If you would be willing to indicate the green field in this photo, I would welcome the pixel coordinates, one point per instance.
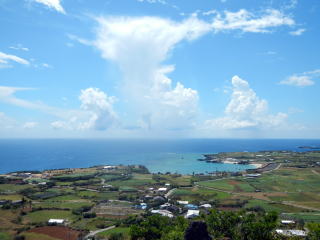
(5, 236)
(62, 205)
(43, 216)
(13, 188)
(124, 231)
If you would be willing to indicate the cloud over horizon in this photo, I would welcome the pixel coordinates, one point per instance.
(246, 110)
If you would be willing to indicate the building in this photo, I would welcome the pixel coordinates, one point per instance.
(192, 213)
(163, 189)
(164, 206)
(4, 202)
(207, 205)
(109, 167)
(164, 213)
(183, 202)
(191, 207)
(56, 221)
(291, 233)
(287, 222)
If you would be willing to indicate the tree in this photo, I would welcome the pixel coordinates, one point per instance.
(197, 231)
(314, 231)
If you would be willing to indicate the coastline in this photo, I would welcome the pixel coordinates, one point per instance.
(256, 165)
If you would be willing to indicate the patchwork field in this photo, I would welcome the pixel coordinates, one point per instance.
(283, 190)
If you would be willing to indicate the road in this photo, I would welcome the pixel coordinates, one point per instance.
(169, 193)
(93, 233)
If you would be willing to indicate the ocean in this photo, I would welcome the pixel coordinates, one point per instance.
(158, 155)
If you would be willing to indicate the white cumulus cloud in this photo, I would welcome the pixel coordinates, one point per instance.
(246, 110)
(139, 46)
(302, 80)
(54, 4)
(100, 106)
(97, 112)
(5, 60)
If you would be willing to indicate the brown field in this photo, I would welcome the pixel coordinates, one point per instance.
(62, 233)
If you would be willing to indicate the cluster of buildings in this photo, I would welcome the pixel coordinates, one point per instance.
(158, 202)
(287, 230)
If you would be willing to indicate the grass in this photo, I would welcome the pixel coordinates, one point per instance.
(280, 208)
(219, 184)
(11, 197)
(5, 236)
(288, 180)
(68, 197)
(92, 224)
(199, 194)
(43, 216)
(63, 205)
(124, 231)
(13, 188)
(307, 217)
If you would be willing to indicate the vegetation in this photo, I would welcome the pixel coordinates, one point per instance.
(95, 198)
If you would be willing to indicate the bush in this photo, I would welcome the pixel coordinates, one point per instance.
(116, 236)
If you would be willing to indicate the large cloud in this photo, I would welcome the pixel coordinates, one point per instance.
(139, 46)
(246, 110)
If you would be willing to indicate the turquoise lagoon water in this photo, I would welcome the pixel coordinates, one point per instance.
(158, 155)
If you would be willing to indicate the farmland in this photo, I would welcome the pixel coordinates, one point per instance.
(95, 198)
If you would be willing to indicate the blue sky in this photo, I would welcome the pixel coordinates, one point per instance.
(159, 68)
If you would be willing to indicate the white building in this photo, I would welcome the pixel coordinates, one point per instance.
(192, 213)
(109, 167)
(165, 205)
(163, 189)
(56, 221)
(207, 205)
(164, 213)
(183, 202)
(287, 222)
(291, 233)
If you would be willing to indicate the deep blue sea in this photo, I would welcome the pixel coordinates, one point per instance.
(158, 155)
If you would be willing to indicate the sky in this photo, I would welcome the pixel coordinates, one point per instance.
(159, 69)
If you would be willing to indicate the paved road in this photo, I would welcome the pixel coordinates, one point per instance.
(93, 233)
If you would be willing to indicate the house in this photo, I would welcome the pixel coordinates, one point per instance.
(159, 199)
(56, 221)
(164, 206)
(17, 202)
(109, 167)
(4, 202)
(167, 184)
(286, 222)
(191, 207)
(183, 202)
(291, 233)
(142, 206)
(252, 175)
(164, 213)
(207, 205)
(192, 213)
(163, 189)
